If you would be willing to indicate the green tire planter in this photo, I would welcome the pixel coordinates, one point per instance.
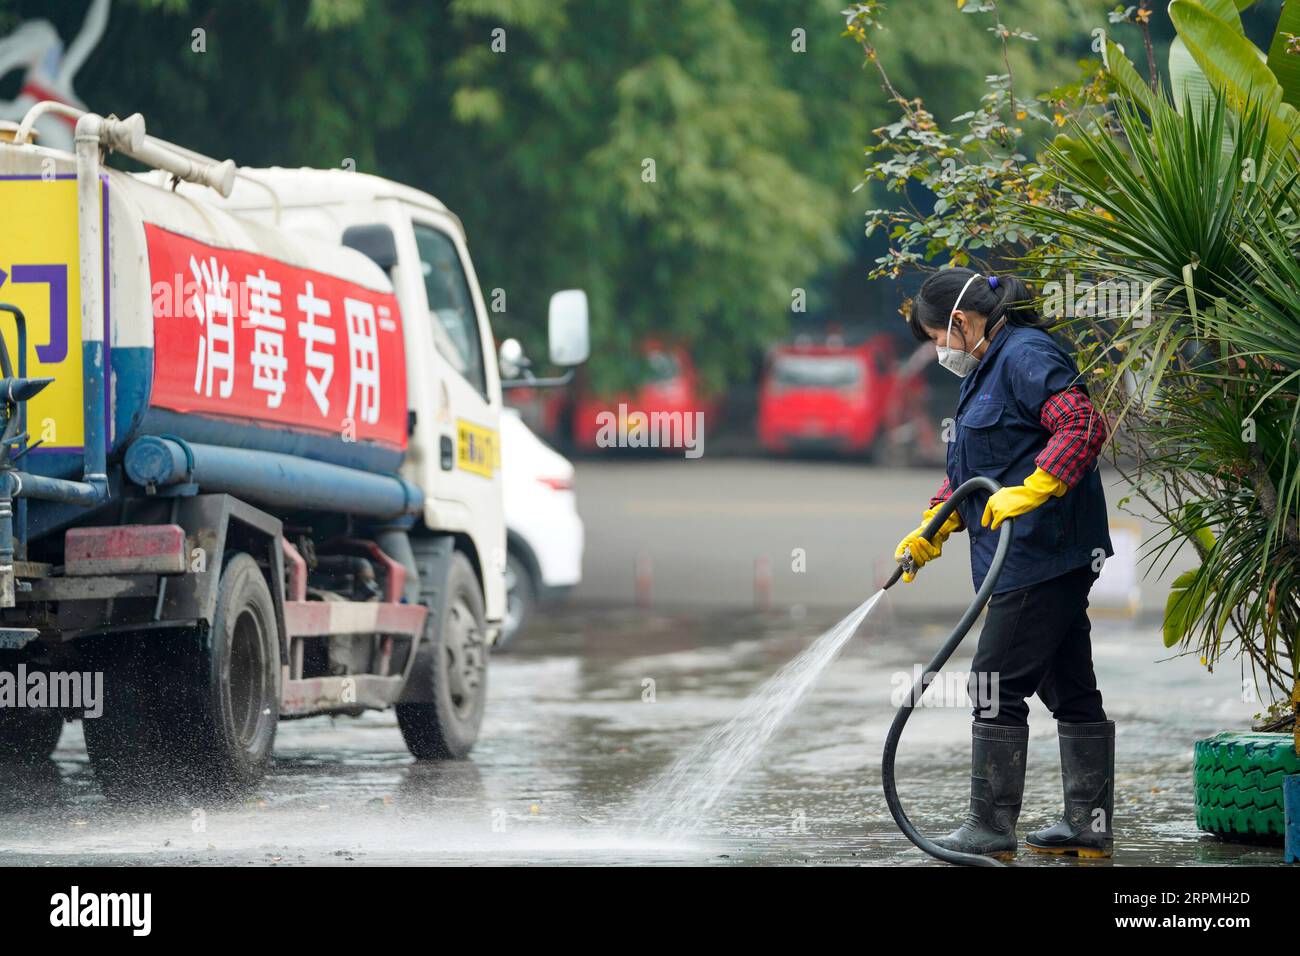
(1238, 779)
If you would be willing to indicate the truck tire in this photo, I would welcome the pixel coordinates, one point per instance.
(447, 727)
(1238, 778)
(239, 716)
(205, 716)
(28, 736)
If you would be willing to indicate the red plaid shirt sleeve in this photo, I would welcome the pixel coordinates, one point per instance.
(945, 492)
(1078, 432)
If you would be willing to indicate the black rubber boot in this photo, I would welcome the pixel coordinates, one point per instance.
(1088, 775)
(997, 782)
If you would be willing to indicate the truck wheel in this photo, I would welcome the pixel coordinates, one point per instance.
(1238, 780)
(28, 736)
(240, 709)
(447, 728)
(521, 597)
(205, 715)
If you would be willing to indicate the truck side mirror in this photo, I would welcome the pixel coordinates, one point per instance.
(375, 240)
(567, 328)
(510, 358)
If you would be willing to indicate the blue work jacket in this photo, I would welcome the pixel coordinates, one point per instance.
(998, 435)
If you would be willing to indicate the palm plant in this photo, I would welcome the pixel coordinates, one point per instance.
(1202, 376)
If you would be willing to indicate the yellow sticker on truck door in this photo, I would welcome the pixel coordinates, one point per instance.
(478, 449)
(38, 274)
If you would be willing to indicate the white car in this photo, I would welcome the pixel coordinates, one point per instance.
(544, 534)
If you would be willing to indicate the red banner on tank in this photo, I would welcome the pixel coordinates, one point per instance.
(243, 336)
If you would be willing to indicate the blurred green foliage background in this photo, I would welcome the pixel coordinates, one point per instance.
(540, 149)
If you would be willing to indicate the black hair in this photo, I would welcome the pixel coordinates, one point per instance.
(990, 296)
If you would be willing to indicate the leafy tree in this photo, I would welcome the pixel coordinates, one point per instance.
(540, 148)
(646, 153)
(654, 147)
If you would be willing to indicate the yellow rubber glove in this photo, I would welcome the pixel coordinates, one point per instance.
(924, 551)
(1015, 500)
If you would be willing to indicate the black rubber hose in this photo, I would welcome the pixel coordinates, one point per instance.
(932, 670)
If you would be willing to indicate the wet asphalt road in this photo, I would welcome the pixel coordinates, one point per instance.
(569, 744)
(572, 737)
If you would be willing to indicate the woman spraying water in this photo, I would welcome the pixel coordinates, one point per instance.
(1023, 419)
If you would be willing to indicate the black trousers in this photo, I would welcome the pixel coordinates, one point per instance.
(1037, 640)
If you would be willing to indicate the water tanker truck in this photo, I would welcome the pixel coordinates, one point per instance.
(248, 456)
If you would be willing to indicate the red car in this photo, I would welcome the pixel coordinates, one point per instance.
(827, 396)
(673, 389)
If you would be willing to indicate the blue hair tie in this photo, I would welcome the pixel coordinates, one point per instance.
(993, 282)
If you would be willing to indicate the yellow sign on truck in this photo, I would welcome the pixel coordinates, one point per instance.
(38, 270)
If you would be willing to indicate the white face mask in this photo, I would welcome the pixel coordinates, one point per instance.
(954, 360)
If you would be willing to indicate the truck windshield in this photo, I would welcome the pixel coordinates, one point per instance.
(455, 327)
(816, 371)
